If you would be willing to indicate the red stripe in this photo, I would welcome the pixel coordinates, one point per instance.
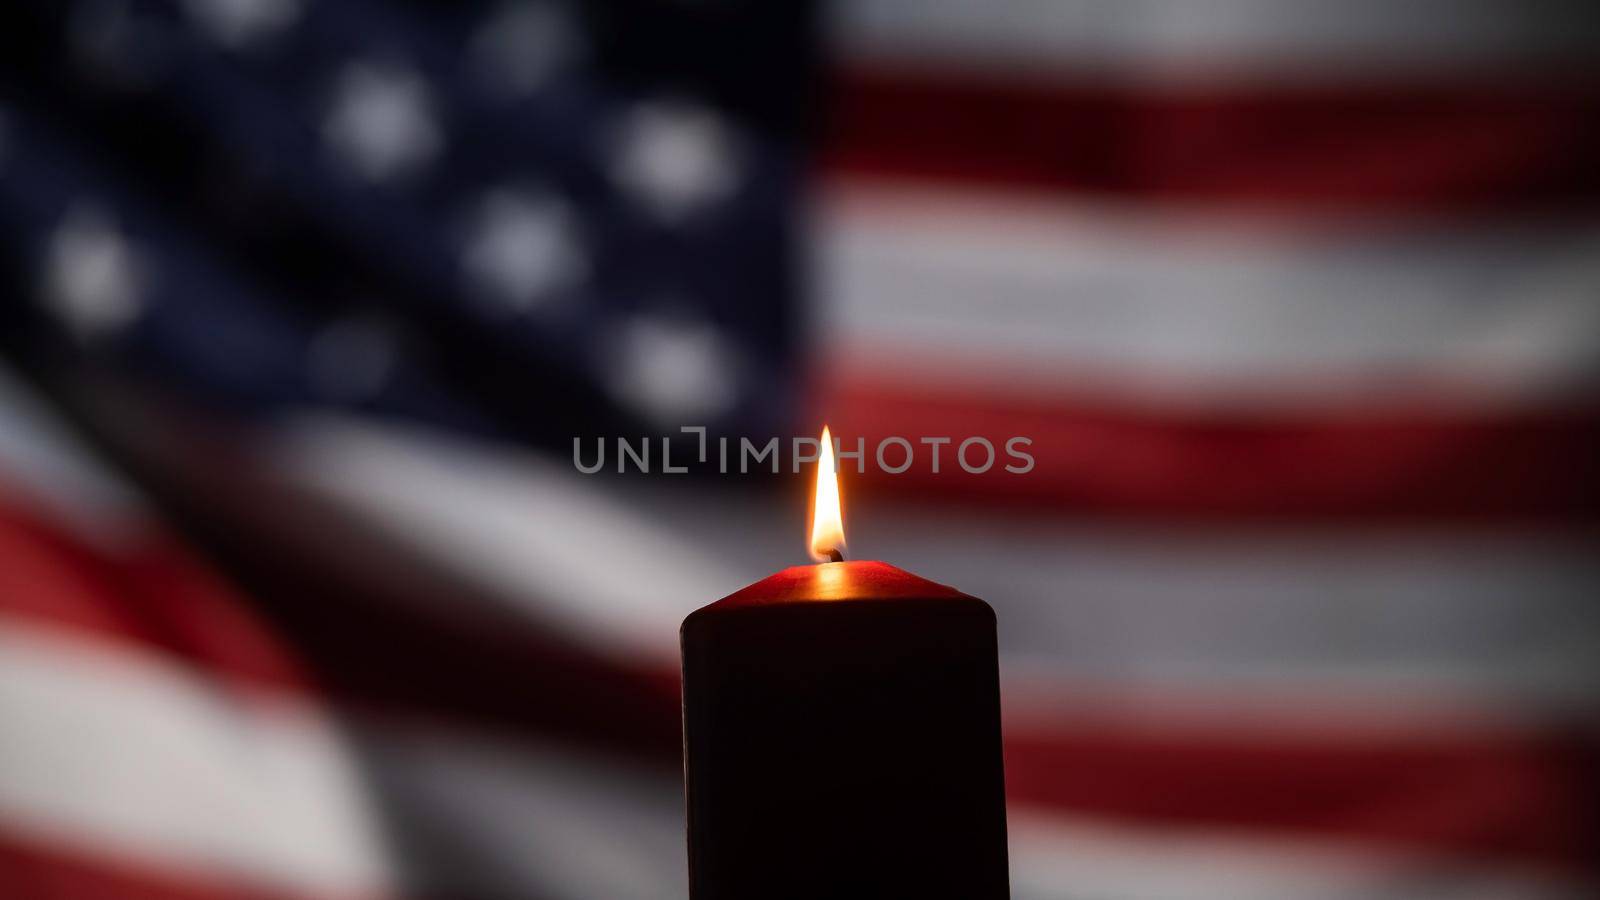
(150, 591)
(1512, 797)
(1493, 145)
(30, 869)
(1093, 456)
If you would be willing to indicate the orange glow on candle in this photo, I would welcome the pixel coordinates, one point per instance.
(827, 519)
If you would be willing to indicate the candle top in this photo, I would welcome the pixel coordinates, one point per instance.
(835, 581)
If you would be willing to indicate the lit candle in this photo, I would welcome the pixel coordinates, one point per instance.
(842, 733)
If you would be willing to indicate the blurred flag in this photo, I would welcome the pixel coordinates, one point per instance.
(300, 595)
(1297, 304)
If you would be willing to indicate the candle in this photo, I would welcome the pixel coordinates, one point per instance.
(842, 733)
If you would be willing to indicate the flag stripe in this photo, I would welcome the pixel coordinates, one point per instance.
(1495, 145)
(1092, 456)
(47, 870)
(150, 591)
(1056, 856)
(1196, 40)
(1524, 797)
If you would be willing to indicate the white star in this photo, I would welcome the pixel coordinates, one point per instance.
(381, 121)
(522, 247)
(240, 23)
(92, 280)
(523, 45)
(673, 370)
(350, 359)
(675, 158)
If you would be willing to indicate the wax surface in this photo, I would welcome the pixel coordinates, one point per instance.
(850, 580)
(842, 739)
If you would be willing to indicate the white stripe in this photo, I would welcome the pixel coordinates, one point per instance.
(121, 754)
(1494, 620)
(1207, 308)
(1186, 39)
(530, 529)
(1055, 857)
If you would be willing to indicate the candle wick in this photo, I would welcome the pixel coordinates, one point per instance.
(835, 555)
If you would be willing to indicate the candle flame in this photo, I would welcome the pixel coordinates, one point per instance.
(827, 519)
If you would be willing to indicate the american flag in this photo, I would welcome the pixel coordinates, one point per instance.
(301, 595)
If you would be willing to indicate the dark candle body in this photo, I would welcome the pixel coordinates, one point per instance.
(842, 740)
